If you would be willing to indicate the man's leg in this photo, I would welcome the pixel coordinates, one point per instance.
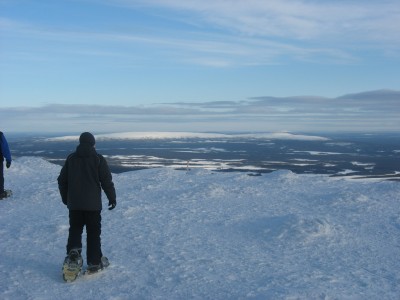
(76, 223)
(93, 231)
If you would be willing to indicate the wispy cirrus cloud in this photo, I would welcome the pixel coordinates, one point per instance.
(291, 19)
(229, 33)
(211, 49)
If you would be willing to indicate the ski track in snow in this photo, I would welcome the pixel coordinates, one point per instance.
(207, 235)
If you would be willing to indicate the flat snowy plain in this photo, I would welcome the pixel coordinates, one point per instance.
(200, 234)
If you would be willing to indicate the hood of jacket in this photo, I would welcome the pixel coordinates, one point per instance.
(85, 150)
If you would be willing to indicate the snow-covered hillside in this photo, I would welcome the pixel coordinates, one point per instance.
(206, 235)
(191, 135)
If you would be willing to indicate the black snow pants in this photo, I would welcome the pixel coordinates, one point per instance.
(92, 220)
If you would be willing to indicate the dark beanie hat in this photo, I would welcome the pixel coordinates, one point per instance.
(87, 138)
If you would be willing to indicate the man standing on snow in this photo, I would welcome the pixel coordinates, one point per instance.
(4, 154)
(81, 179)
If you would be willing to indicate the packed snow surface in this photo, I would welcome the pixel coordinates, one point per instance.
(200, 234)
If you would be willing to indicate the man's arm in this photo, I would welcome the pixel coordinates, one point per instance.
(106, 182)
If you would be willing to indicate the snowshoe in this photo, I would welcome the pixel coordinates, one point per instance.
(72, 265)
(5, 194)
(92, 269)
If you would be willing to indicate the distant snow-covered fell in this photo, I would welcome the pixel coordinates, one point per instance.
(200, 234)
(188, 135)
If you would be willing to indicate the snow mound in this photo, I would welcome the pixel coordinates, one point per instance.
(204, 235)
(285, 227)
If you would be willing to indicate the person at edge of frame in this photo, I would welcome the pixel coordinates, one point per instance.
(4, 154)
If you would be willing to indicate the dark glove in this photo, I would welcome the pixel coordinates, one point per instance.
(112, 205)
(8, 164)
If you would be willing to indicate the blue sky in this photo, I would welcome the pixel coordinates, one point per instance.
(164, 61)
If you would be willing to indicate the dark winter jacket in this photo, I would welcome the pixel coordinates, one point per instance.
(4, 149)
(82, 177)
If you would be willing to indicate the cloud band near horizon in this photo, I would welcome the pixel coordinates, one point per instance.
(368, 111)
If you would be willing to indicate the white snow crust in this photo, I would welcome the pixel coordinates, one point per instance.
(200, 234)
